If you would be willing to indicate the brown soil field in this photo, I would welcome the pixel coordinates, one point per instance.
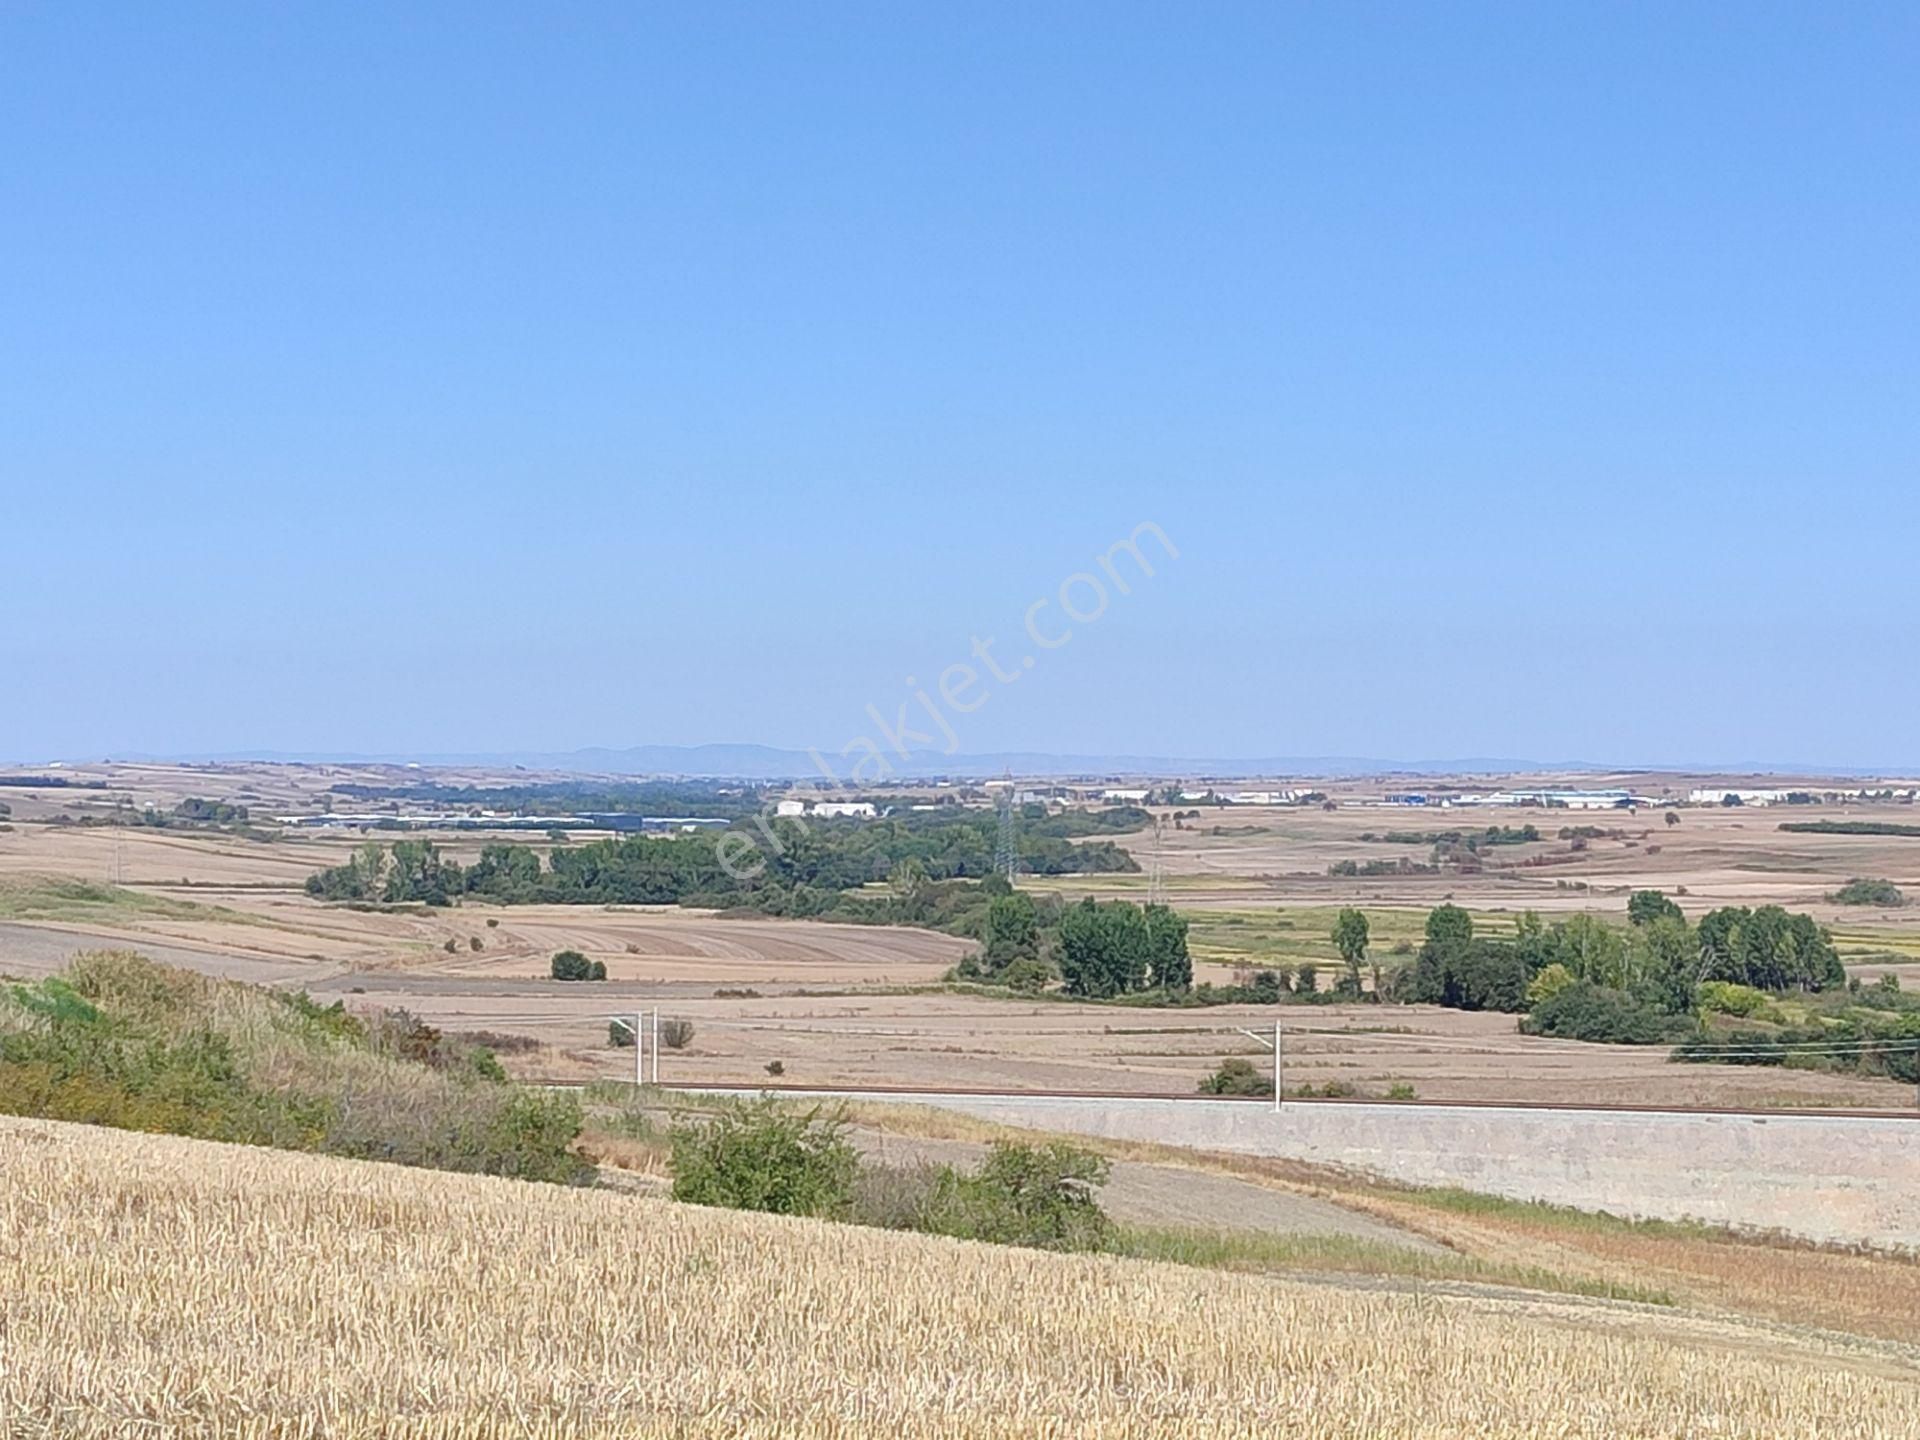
(1714, 857)
(1252, 881)
(936, 1041)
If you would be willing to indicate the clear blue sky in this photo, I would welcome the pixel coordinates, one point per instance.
(1536, 380)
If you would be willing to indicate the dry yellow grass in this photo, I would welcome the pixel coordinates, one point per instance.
(1875, 1295)
(156, 1286)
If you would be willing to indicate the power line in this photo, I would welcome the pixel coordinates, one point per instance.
(1006, 851)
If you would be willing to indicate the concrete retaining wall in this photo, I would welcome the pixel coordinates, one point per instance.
(1841, 1179)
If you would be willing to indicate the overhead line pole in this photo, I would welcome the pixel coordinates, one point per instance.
(1279, 1063)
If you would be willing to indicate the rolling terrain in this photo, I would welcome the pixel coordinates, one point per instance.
(285, 1294)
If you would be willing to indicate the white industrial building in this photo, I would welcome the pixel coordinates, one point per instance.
(1743, 797)
(826, 809)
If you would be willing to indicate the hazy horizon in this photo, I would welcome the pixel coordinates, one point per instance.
(754, 762)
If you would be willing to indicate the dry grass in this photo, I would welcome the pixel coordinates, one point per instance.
(160, 1286)
(1875, 1295)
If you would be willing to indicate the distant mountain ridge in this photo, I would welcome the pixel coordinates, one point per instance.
(769, 762)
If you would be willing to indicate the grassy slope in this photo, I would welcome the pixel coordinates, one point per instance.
(119, 1040)
(1538, 1246)
(65, 898)
(203, 1288)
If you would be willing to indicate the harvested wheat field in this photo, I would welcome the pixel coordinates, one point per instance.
(156, 1286)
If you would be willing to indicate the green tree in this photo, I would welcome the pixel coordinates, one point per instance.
(1547, 984)
(1646, 906)
(1592, 949)
(1169, 966)
(1449, 925)
(1013, 932)
(1350, 937)
(1669, 963)
(572, 965)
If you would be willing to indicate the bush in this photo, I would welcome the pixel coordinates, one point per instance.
(1039, 1196)
(676, 1034)
(572, 965)
(1610, 1017)
(1723, 997)
(620, 1034)
(1237, 1077)
(1332, 1090)
(1889, 1051)
(1869, 892)
(1547, 984)
(755, 1156)
(1029, 977)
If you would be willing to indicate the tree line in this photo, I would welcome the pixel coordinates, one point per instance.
(1098, 949)
(797, 868)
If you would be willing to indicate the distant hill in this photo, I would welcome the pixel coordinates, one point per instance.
(768, 762)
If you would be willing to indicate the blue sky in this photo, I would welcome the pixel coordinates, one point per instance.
(1512, 380)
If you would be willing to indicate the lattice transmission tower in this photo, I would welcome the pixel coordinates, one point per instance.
(1157, 870)
(1006, 850)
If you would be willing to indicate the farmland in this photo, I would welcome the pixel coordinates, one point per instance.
(837, 1003)
(367, 1300)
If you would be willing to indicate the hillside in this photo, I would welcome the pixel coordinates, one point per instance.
(161, 1285)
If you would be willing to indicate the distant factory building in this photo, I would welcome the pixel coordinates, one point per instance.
(826, 809)
(1739, 797)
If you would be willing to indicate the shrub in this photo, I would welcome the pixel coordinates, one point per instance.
(775, 1068)
(572, 965)
(1880, 1049)
(1401, 1091)
(1029, 976)
(1332, 1090)
(620, 1034)
(1611, 1017)
(1869, 892)
(1039, 1196)
(474, 942)
(493, 923)
(1547, 984)
(676, 1034)
(1237, 1077)
(755, 1156)
(1723, 997)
